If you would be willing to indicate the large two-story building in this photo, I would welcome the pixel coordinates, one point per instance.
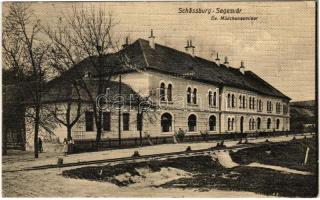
(190, 93)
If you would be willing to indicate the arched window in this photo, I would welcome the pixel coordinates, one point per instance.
(229, 124)
(233, 101)
(250, 122)
(268, 123)
(210, 98)
(244, 102)
(212, 123)
(192, 123)
(253, 124)
(169, 92)
(240, 101)
(258, 123)
(253, 102)
(278, 124)
(215, 99)
(195, 96)
(162, 92)
(229, 100)
(189, 95)
(232, 124)
(166, 122)
(249, 102)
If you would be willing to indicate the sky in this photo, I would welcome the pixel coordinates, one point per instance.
(279, 46)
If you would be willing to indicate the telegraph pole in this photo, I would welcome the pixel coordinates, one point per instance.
(119, 112)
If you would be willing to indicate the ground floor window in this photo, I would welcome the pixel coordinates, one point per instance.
(192, 123)
(230, 124)
(212, 123)
(278, 123)
(106, 122)
(139, 122)
(268, 123)
(89, 121)
(251, 124)
(126, 121)
(258, 123)
(166, 122)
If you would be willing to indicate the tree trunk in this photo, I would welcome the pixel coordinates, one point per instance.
(99, 126)
(36, 132)
(69, 132)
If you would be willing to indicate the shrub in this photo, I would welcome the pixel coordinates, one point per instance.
(180, 134)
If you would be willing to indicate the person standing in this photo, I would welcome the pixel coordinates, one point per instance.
(40, 145)
(70, 143)
(65, 146)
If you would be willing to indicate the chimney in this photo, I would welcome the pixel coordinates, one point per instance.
(242, 68)
(151, 40)
(126, 43)
(190, 48)
(217, 60)
(226, 63)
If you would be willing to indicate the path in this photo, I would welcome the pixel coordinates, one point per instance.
(278, 168)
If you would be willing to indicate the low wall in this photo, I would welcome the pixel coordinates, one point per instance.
(91, 145)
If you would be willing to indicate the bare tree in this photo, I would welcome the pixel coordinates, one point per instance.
(26, 53)
(86, 34)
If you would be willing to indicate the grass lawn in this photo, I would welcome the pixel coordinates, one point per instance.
(285, 154)
(208, 174)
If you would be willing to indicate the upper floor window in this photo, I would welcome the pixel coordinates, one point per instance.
(215, 99)
(259, 105)
(285, 109)
(278, 108)
(162, 92)
(210, 98)
(233, 101)
(240, 101)
(229, 100)
(169, 92)
(244, 102)
(189, 95)
(253, 103)
(269, 106)
(195, 96)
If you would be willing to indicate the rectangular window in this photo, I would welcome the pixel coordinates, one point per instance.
(106, 123)
(89, 121)
(126, 121)
(139, 122)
